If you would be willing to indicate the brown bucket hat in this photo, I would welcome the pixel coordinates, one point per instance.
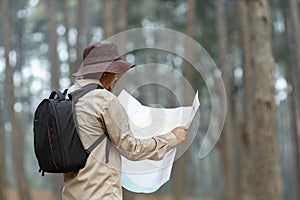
(100, 57)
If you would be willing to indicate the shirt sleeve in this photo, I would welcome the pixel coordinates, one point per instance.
(116, 122)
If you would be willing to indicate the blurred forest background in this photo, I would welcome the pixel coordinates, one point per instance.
(255, 43)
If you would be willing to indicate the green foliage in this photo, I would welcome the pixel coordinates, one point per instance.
(37, 21)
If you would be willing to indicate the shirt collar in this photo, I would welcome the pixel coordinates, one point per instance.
(80, 83)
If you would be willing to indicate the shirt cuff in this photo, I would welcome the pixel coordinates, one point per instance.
(172, 141)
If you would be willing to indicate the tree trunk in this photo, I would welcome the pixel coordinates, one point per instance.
(108, 18)
(190, 31)
(18, 157)
(227, 147)
(123, 22)
(2, 163)
(268, 176)
(179, 181)
(291, 76)
(53, 59)
(55, 76)
(127, 195)
(20, 134)
(123, 15)
(294, 12)
(9, 100)
(81, 6)
(295, 45)
(66, 24)
(179, 189)
(247, 142)
(294, 35)
(295, 128)
(122, 26)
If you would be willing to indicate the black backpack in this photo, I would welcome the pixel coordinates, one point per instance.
(57, 145)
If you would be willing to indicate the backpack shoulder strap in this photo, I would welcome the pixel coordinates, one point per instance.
(75, 96)
(84, 90)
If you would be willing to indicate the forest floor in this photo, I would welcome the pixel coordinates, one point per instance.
(11, 194)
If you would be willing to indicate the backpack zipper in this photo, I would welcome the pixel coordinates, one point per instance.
(50, 142)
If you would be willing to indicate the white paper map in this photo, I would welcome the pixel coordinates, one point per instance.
(147, 176)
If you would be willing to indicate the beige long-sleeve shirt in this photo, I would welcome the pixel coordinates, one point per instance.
(97, 111)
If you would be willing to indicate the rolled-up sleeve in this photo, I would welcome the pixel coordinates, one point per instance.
(116, 122)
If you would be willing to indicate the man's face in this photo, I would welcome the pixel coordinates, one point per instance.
(108, 80)
(114, 80)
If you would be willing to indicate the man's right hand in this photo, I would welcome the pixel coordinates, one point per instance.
(180, 133)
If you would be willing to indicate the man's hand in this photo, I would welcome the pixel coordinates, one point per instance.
(180, 133)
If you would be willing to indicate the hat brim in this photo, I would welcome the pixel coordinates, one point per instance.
(116, 67)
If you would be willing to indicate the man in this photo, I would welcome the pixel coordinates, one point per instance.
(100, 111)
